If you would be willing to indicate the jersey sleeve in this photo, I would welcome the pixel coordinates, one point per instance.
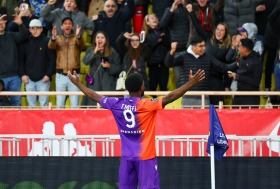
(107, 102)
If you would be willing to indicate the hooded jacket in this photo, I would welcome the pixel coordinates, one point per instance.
(249, 73)
(252, 31)
(56, 16)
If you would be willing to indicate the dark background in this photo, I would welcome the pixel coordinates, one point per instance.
(102, 172)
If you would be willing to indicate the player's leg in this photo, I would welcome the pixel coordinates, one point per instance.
(127, 175)
(148, 174)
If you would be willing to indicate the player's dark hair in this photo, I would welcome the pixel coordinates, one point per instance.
(195, 40)
(247, 43)
(133, 82)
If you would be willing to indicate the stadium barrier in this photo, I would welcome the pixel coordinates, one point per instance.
(151, 93)
(71, 145)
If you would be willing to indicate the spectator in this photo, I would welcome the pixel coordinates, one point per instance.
(95, 7)
(160, 5)
(248, 30)
(37, 63)
(134, 55)
(9, 6)
(177, 21)
(206, 12)
(194, 59)
(238, 12)
(56, 16)
(263, 10)
(26, 14)
(122, 6)
(217, 45)
(68, 50)
(38, 5)
(9, 56)
(159, 41)
(248, 74)
(82, 5)
(113, 21)
(4, 101)
(271, 44)
(104, 72)
(277, 76)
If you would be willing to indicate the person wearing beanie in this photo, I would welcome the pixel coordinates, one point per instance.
(37, 63)
(68, 10)
(68, 50)
(25, 11)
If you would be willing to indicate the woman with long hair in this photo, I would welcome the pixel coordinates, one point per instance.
(105, 66)
(218, 46)
(134, 55)
(159, 41)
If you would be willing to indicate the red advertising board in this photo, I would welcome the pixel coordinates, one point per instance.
(240, 122)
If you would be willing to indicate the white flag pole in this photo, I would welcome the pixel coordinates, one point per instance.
(212, 160)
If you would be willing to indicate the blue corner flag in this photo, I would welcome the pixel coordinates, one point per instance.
(217, 136)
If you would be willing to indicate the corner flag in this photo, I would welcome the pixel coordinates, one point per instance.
(217, 137)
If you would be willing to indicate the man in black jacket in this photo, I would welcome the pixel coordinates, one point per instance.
(113, 21)
(37, 63)
(9, 56)
(194, 59)
(177, 21)
(248, 74)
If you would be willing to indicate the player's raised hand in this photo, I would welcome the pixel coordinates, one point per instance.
(75, 79)
(198, 77)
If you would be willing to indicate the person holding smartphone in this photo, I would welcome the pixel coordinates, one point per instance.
(25, 11)
(105, 66)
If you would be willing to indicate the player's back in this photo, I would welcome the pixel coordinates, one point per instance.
(135, 118)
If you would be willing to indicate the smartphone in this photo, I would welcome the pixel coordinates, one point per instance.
(229, 72)
(24, 6)
(142, 36)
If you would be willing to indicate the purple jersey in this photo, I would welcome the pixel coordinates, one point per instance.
(136, 123)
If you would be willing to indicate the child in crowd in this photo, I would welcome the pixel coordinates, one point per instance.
(159, 41)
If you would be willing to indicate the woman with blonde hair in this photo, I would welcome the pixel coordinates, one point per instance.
(105, 66)
(159, 41)
(218, 46)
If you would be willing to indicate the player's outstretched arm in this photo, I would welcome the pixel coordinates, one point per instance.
(88, 92)
(193, 80)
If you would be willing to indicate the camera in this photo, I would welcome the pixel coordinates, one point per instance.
(24, 6)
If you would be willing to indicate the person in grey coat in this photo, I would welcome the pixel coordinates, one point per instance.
(105, 66)
(57, 15)
(238, 12)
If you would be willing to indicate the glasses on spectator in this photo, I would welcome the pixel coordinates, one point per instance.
(134, 40)
(112, 6)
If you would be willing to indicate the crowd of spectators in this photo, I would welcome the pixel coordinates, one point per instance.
(230, 40)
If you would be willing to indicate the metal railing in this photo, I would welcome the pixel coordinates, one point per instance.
(151, 93)
(186, 145)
